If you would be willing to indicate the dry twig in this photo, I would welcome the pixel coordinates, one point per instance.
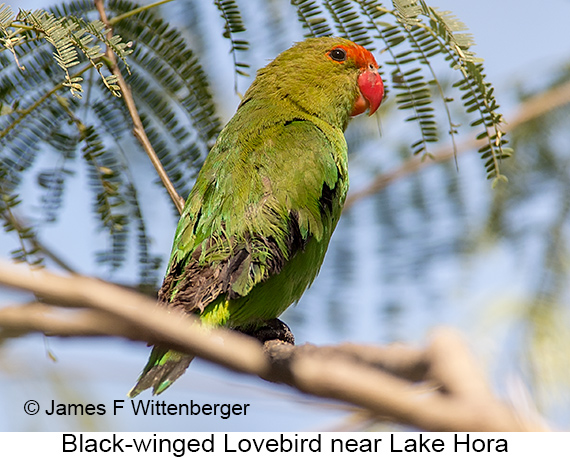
(138, 128)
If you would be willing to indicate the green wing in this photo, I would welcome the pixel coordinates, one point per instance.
(254, 230)
(263, 197)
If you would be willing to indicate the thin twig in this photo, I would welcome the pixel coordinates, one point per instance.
(11, 219)
(138, 128)
(23, 113)
(138, 10)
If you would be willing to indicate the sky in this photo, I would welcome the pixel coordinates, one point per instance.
(524, 39)
(520, 39)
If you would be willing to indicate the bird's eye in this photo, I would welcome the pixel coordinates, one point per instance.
(338, 54)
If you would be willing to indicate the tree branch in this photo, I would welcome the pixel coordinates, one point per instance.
(39, 317)
(138, 128)
(439, 389)
(140, 311)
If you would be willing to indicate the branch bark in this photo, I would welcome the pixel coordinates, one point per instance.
(440, 388)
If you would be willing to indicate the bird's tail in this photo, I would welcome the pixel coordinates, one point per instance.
(163, 368)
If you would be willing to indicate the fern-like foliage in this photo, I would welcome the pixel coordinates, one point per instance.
(7, 38)
(348, 21)
(311, 16)
(444, 36)
(53, 57)
(40, 114)
(417, 36)
(233, 25)
(69, 36)
(28, 250)
(478, 93)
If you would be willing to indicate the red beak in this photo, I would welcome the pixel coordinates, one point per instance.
(371, 93)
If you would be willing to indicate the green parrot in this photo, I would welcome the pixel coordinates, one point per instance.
(257, 223)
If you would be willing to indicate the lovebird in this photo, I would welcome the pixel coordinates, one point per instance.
(257, 223)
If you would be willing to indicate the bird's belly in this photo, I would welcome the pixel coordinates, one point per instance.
(269, 299)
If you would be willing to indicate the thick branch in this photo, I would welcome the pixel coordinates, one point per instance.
(222, 346)
(453, 393)
(463, 403)
(33, 317)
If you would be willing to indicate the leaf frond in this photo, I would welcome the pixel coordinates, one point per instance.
(311, 16)
(233, 24)
(348, 22)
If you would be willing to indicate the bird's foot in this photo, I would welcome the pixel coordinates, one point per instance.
(273, 329)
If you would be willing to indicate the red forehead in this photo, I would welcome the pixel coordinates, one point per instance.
(361, 56)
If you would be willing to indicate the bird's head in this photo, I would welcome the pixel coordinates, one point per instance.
(370, 84)
(332, 78)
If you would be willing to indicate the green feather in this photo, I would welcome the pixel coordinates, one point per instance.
(257, 224)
